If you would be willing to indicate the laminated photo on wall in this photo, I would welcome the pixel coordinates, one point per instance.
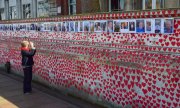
(52, 26)
(158, 26)
(40, 26)
(80, 26)
(59, 24)
(92, 26)
(168, 25)
(72, 26)
(11, 27)
(56, 27)
(97, 26)
(116, 26)
(100, 26)
(6, 27)
(132, 26)
(124, 26)
(76, 26)
(86, 26)
(149, 26)
(110, 26)
(140, 26)
(47, 26)
(63, 26)
(32, 27)
(67, 26)
(27, 26)
(104, 25)
(1, 27)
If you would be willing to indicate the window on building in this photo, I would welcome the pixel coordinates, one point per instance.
(26, 11)
(2, 15)
(159, 4)
(72, 7)
(52, 7)
(43, 9)
(12, 12)
(167, 4)
(171, 3)
(137, 4)
(148, 4)
(126, 5)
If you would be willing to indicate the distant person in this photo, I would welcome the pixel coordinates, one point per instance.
(168, 26)
(27, 52)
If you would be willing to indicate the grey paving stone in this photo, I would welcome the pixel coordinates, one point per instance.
(11, 96)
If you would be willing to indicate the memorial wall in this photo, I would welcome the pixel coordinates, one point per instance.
(112, 59)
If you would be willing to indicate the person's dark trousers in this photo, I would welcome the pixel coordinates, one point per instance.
(27, 79)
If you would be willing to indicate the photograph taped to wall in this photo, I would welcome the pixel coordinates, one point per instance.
(149, 26)
(59, 24)
(17, 27)
(80, 26)
(6, 27)
(132, 26)
(1, 27)
(33, 27)
(27, 26)
(63, 26)
(140, 26)
(110, 26)
(117, 26)
(158, 26)
(72, 26)
(67, 26)
(23, 27)
(14, 27)
(103, 25)
(86, 26)
(11, 27)
(168, 25)
(53, 27)
(56, 27)
(124, 26)
(92, 26)
(48, 26)
(97, 26)
(40, 26)
(37, 26)
(76, 26)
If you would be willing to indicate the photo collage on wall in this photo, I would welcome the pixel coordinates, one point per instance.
(157, 25)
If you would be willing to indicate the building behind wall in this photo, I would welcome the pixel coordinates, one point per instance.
(21, 9)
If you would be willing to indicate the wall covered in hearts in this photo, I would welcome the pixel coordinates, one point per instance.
(112, 69)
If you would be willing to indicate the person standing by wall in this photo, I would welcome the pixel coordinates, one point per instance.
(27, 52)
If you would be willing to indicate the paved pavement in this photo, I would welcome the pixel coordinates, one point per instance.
(11, 96)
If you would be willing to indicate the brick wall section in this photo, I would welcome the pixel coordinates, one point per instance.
(64, 6)
(78, 6)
